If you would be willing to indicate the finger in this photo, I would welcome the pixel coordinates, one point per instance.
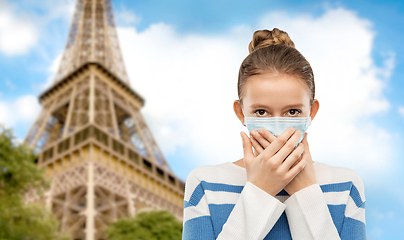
(260, 139)
(299, 159)
(289, 146)
(255, 153)
(256, 146)
(306, 148)
(247, 149)
(304, 141)
(267, 135)
(279, 142)
(293, 158)
(296, 169)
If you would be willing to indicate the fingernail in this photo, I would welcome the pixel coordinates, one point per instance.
(253, 132)
(261, 131)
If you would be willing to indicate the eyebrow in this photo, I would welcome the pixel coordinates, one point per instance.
(288, 106)
(295, 106)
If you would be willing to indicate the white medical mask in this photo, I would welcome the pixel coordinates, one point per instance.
(277, 125)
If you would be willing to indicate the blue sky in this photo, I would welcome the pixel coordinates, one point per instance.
(183, 58)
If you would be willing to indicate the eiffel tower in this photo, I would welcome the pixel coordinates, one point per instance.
(91, 138)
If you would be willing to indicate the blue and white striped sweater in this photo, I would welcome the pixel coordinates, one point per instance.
(219, 203)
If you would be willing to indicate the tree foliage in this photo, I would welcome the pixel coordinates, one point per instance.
(153, 225)
(19, 174)
(27, 221)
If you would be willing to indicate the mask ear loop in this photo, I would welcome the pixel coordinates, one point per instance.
(309, 120)
(309, 115)
(244, 117)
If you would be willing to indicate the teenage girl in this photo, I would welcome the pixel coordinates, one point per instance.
(275, 191)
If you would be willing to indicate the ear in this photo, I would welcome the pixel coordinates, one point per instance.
(238, 111)
(314, 108)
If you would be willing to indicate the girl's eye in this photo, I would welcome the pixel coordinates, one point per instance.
(260, 112)
(294, 112)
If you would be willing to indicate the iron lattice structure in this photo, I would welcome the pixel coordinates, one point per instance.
(92, 139)
(92, 38)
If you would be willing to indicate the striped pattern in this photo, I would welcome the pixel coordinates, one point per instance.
(212, 192)
(207, 186)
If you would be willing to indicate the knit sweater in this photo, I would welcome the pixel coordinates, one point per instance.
(220, 203)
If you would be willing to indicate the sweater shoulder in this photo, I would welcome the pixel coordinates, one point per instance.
(220, 173)
(327, 174)
(224, 173)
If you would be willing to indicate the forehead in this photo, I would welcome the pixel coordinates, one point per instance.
(275, 90)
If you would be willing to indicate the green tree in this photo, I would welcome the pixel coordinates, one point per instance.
(19, 174)
(153, 225)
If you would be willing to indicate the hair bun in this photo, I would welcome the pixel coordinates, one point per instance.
(264, 38)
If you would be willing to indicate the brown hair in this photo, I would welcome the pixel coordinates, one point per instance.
(274, 52)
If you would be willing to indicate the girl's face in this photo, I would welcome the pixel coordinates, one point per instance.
(275, 95)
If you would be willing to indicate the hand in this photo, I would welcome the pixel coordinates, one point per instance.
(307, 176)
(277, 164)
(263, 138)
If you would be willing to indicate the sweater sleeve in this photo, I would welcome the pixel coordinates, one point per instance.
(309, 215)
(252, 217)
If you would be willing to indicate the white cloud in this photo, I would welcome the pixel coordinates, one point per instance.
(58, 9)
(52, 70)
(401, 111)
(27, 107)
(49, 10)
(126, 17)
(23, 110)
(5, 116)
(18, 33)
(189, 83)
